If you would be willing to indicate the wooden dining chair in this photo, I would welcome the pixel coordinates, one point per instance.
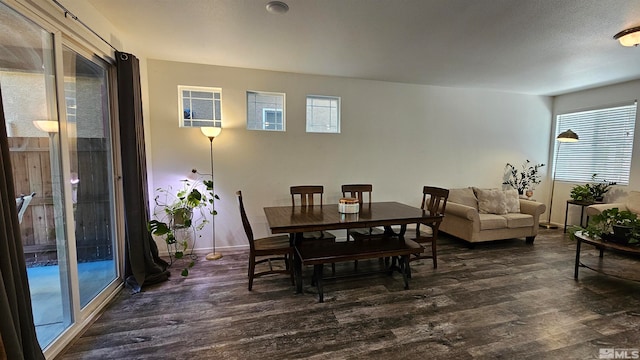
(434, 201)
(359, 191)
(309, 195)
(273, 248)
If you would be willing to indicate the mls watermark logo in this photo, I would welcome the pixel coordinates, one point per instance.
(611, 353)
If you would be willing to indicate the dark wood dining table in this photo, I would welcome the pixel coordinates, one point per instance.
(297, 219)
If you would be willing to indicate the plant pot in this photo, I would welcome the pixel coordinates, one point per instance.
(181, 218)
(622, 232)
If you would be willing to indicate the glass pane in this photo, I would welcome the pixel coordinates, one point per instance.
(202, 109)
(29, 98)
(262, 105)
(91, 173)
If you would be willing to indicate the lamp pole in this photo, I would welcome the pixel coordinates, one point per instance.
(567, 136)
(211, 133)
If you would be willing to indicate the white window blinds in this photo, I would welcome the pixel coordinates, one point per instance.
(604, 148)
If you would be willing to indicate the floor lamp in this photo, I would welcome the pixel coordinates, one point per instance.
(211, 133)
(567, 136)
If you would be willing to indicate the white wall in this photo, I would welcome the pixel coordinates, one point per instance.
(598, 97)
(398, 137)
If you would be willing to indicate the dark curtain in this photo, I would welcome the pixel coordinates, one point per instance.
(16, 325)
(143, 266)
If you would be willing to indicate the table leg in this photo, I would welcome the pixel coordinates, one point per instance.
(581, 214)
(578, 243)
(297, 263)
(566, 212)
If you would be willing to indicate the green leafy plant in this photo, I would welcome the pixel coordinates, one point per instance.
(526, 178)
(174, 211)
(602, 225)
(581, 193)
(593, 191)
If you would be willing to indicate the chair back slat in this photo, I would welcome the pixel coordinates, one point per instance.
(357, 191)
(306, 193)
(434, 200)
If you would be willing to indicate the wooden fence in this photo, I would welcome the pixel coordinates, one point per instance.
(31, 165)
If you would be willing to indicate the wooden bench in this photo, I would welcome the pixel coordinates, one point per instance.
(320, 252)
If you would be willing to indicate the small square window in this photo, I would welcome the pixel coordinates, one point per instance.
(265, 111)
(200, 106)
(323, 114)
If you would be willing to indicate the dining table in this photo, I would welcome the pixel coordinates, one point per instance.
(295, 220)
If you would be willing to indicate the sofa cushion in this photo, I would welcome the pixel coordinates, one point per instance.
(512, 200)
(463, 196)
(518, 220)
(633, 202)
(492, 221)
(491, 201)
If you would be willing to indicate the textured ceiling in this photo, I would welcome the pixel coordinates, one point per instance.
(544, 47)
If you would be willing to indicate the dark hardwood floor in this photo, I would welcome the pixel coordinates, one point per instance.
(501, 300)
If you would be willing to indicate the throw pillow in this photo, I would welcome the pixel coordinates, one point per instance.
(491, 201)
(513, 200)
(464, 196)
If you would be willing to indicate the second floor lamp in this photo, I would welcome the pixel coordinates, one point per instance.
(567, 136)
(211, 133)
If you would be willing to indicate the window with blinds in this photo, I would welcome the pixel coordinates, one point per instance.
(604, 148)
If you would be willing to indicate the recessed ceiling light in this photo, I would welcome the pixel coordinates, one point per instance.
(277, 7)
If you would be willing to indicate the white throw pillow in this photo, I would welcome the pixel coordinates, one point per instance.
(491, 201)
(512, 200)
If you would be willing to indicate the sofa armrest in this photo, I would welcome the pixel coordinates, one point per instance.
(532, 208)
(596, 209)
(463, 211)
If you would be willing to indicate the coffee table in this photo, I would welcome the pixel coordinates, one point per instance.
(600, 245)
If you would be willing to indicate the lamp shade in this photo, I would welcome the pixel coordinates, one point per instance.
(48, 126)
(629, 37)
(568, 136)
(211, 132)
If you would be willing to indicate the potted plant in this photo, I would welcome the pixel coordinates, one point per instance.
(174, 211)
(526, 178)
(591, 192)
(599, 188)
(613, 225)
(581, 193)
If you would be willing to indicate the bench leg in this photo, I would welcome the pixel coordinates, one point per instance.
(297, 271)
(317, 275)
(406, 271)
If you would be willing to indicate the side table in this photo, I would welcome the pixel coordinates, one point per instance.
(582, 205)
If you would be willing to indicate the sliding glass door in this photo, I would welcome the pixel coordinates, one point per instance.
(90, 174)
(57, 109)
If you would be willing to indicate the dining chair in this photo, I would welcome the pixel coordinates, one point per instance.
(267, 249)
(307, 195)
(434, 201)
(358, 191)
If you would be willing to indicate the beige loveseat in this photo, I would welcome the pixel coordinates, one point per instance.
(478, 215)
(631, 203)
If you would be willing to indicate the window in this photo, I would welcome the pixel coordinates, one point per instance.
(604, 148)
(200, 106)
(323, 114)
(272, 119)
(265, 111)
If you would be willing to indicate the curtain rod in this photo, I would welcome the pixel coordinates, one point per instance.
(68, 13)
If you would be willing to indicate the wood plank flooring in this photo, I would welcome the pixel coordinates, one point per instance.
(500, 300)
